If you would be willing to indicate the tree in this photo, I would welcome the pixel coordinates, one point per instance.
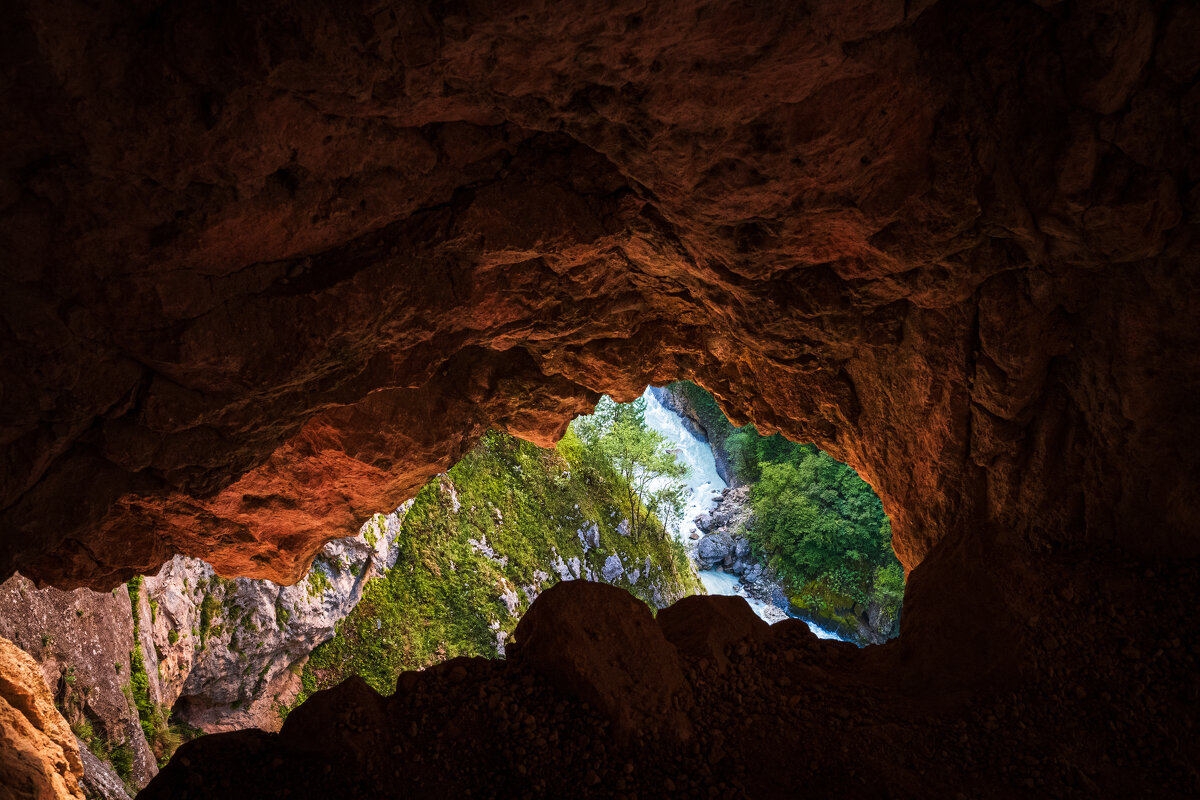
(617, 440)
(820, 521)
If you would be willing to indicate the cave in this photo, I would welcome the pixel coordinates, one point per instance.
(268, 268)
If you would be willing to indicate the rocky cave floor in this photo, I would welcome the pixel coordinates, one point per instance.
(773, 711)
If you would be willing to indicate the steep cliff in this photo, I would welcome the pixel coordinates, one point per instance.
(231, 651)
(84, 645)
(200, 654)
(39, 759)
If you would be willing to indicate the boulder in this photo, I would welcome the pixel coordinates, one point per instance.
(708, 626)
(713, 549)
(570, 636)
(612, 569)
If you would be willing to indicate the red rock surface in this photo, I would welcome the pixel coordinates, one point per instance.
(268, 268)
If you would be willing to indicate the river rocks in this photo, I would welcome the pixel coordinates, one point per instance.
(567, 636)
(39, 757)
(752, 573)
(713, 550)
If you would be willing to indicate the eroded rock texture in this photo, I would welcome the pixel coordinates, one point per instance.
(268, 268)
(38, 755)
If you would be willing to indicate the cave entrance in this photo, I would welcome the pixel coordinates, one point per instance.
(662, 497)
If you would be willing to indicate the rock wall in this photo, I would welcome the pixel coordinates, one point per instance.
(82, 641)
(230, 651)
(233, 664)
(39, 758)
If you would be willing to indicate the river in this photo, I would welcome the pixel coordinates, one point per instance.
(704, 486)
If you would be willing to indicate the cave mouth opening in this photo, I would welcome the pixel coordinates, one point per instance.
(662, 497)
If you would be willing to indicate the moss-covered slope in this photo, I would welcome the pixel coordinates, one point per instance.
(477, 547)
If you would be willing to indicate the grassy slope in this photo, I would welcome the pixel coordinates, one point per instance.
(443, 597)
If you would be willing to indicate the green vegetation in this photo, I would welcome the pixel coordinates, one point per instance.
(172, 636)
(121, 758)
(139, 683)
(134, 588)
(210, 609)
(637, 459)
(153, 717)
(118, 754)
(318, 579)
(448, 596)
(820, 525)
(373, 531)
(282, 615)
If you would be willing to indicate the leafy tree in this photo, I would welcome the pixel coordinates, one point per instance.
(820, 522)
(616, 439)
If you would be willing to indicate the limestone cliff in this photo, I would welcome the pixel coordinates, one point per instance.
(83, 643)
(39, 759)
(230, 651)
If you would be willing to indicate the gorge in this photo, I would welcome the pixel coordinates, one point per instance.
(270, 268)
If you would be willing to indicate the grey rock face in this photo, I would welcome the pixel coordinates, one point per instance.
(752, 573)
(623, 527)
(99, 780)
(231, 649)
(589, 537)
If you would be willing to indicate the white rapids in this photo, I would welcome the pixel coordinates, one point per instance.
(704, 486)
